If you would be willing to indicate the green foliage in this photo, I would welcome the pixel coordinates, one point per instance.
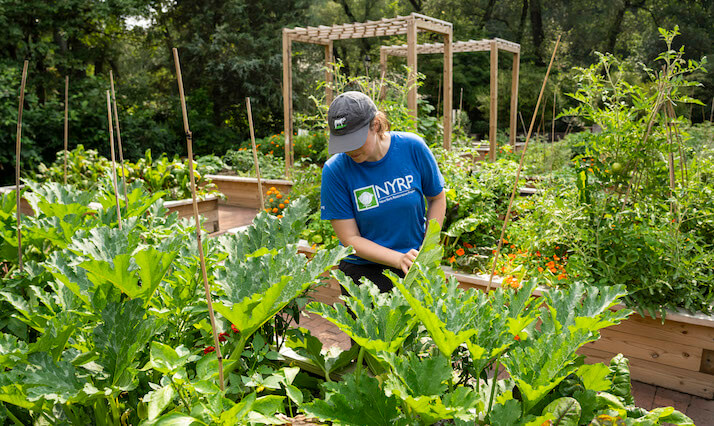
(242, 164)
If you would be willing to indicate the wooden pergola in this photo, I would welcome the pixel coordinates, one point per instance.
(325, 36)
(474, 46)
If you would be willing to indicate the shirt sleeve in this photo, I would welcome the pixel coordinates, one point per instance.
(335, 201)
(432, 180)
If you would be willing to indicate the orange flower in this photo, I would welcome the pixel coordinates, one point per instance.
(271, 151)
(505, 241)
(512, 246)
(517, 338)
(275, 209)
(538, 253)
(555, 256)
(452, 259)
(269, 193)
(309, 146)
(286, 201)
(280, 216)
(468, 246)
(562, 276)
(272, 188)
(460, 252)
(270, 200)
(540, 269)
(281, 206)
(267, 210)
(279, 196)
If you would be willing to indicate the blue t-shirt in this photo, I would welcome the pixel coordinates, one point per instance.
(385, 197)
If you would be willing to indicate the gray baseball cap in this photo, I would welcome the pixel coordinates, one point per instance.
(349, 117)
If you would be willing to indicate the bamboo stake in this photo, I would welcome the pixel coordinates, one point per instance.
(523, 123)
(121, 150)
(189, 145)
(114, 163)
(18, 146)
(682, 159)
(461, 105)
(518, 172)
(255, 152)
(66, 124)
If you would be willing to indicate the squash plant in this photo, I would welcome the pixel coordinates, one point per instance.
(413, 332)
(110, 326)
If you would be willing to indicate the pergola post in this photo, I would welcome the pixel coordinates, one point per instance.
(328, 72)
(412, 65)
(382, 73)
(448, 87)
(288, 100)
(493, 108)
(514, 98)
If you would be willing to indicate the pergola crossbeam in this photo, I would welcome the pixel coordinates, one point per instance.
(326, 35)
(486, 45)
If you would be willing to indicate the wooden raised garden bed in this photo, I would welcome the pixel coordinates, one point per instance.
(243, 191)
(208, 208)
(678, 354)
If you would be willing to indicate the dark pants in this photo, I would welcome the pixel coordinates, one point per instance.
(372, 272)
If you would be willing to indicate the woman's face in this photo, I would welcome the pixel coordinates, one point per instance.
(366, 152)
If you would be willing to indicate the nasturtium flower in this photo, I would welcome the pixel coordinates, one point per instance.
(208, 350)
(460, 252)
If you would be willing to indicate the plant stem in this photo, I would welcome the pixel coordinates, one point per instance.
(360, 358)
(493, 386)
(181, 396)
(12, 416)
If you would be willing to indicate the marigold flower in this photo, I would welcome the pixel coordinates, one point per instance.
(590, 169)
(270, 200)
(208, 350)
(505, 241)
(279, 195)
(275, 209)
(272, 188)
(562, 276)
(271, 151)
(460, 252)
(280, 216)
(555, 256)
(281, 206)
(553, 270)
(269, 193)
(512, 246)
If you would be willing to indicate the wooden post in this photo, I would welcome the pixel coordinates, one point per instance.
(255, 153)
(514, 98)
(518, 172)
(383, 73)
(66, 124)
(287, 100)
(412, 78)
(438, 98)
(114, 163)
(552, 126)
(121, 150)
(328, 73)
(448, 86)
(18, 146)
(189, 144)
(493, 111)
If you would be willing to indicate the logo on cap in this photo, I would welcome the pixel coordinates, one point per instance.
(340, 122)
(366, 198)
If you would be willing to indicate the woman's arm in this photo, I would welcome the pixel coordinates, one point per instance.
(349, 235)
(436, 207)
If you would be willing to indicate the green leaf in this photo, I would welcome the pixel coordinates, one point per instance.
(595, 376)
(355, 400)
(508, 413)
(565, 411)
(239, 411)
(176, 419)
(165, 359)
(620, 378)
(56, 382)
(119, 339)
(294, 394)
(12, 350)
(158, 400)
(311, 348)
(381, 321)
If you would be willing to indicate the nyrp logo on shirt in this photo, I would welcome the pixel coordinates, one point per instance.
(369, 197)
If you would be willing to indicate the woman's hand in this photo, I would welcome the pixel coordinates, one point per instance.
(407, 259)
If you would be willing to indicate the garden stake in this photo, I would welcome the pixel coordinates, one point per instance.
(121, 151)
(682, 162)
(66, 124)
(518, 172)
(461, 104)
(17, 163)
(114, 163)
(189, 145)
(255, 152)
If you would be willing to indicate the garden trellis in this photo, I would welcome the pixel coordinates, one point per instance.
(492, 46)
(326, 35)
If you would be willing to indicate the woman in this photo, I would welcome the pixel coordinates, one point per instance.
(374, 190)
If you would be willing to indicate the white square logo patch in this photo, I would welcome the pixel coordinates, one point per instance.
(366, 198)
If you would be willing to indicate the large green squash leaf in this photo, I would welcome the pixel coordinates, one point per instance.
(57, 382)
(381, 321)
(357, 400)
(565, 411)
(119, 340)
